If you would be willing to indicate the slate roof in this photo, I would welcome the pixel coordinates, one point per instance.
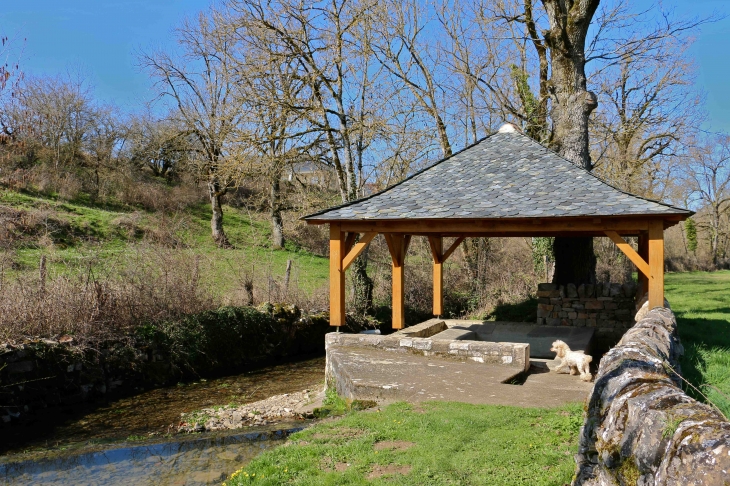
(505, 175)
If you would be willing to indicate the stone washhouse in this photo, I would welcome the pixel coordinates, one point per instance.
(506, 185)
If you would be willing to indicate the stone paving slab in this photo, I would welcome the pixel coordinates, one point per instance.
(372, 374)
(539, 337)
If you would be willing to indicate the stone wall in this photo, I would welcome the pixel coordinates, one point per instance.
(609, 307)
(515, 355)
(640, 427)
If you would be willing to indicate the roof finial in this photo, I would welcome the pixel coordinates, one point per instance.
(509, 128)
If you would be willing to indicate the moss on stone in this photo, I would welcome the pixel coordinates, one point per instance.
(627, 473)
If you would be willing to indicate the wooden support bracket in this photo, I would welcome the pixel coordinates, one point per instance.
(452, 249)
(354, 251)
(349, 241)
(622, 245)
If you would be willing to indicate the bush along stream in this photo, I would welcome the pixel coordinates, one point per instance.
(44, 382)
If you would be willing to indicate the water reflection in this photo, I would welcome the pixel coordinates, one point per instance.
(157, 412)
(196, 461)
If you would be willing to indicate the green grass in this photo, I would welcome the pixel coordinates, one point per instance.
(701, 302)
(451, 443)
(86, 236)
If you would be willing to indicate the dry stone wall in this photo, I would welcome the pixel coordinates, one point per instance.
(608, 307)
(640, 427)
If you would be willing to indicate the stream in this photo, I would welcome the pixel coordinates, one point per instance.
(132, 441)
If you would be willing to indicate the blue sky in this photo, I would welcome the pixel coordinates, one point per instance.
(101, 37)
(98, 37)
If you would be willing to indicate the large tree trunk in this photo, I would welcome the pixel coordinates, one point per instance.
(572, 104)
(216, 221)
(362, 285)
(575, 261)
(277, 224)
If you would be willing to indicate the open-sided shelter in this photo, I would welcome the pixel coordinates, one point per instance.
(505, 185)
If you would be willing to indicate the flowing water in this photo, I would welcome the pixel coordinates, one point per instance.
(130, 441)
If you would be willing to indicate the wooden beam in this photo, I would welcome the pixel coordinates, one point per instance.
(656, 264)
(357, 249)
(511, 227)
(629, 252)
(337, 276)
(452, 248)
(437, 245)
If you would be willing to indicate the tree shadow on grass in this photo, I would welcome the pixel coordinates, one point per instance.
(703, 339)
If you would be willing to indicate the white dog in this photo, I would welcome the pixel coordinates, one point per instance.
(573, 362)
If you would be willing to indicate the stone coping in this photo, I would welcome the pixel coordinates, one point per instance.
(516, 355)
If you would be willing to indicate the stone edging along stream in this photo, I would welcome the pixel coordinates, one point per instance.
(640, 427)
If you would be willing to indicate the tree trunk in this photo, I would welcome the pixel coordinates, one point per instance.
(362, 285)
(572, 104)
(277, 225)
(715, 236)
(216, 221)
(575, 261)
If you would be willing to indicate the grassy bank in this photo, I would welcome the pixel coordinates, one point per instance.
(434, 443)
(108, 268)
(701, 302)
(71, 234)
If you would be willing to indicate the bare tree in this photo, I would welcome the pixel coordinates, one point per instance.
(56, 113)
(322, 40)
(708, 176)
(276, 130)
(10, 78)
(159, 145)
(105, 139)
(401, 45)
(649, 109)
(202, 85)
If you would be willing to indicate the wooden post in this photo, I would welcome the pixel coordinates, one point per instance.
(398, 246)
(399, 308)
(656, 263)
(437, 250)
(643, 286)
(337, 276)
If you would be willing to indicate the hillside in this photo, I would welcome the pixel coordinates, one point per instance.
(92, 270)
(73, 234)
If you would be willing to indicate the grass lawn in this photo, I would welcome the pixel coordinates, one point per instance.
(428, 444)
(701, 302)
